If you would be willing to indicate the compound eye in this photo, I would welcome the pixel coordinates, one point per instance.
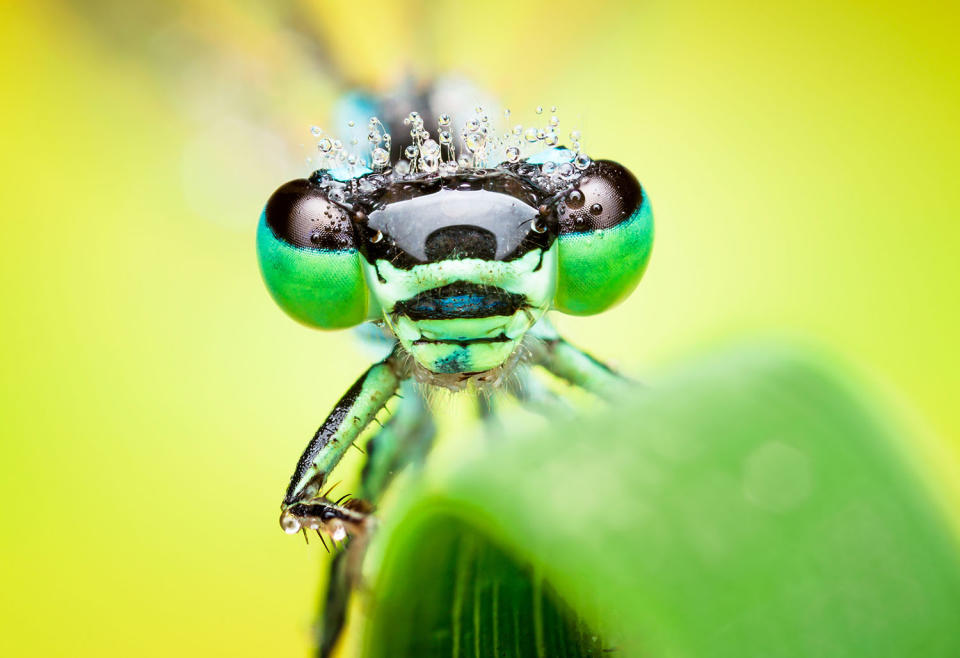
(299, 214)
(606, 195)
(594, 274)
(305, 245)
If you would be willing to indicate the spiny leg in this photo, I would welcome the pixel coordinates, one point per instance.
(404, 440)
(550, 351)
(351, 415)
(559, 357)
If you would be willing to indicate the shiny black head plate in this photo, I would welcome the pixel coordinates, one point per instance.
(491, 214)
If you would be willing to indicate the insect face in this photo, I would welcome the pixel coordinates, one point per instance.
(460, 266)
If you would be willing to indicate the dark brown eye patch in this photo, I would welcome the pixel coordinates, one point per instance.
(299, 214)
(606, 195)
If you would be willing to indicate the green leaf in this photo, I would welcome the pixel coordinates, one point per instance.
(749, 505)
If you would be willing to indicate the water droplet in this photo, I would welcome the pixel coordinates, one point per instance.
(430, 149)
(553, 108)
(548, 168)
(596, 209)
(380, 157)
(474, 142)
(472, 125)
(530, 134)
(445, 137)
(539, 109)
(402, 167)
(410, 152)
(518, 130)
(429, 164)
(351, 123)
(581, 162)
(316, 131)
(554, 120)
(324, 145)
(551, 140)
(289, 523)
(373, 137)
(567, 170)
(575, 135)
(443, 120)
(513, 154)
(315, 237)
(575, 199)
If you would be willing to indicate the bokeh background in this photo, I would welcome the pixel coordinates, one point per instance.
(802, 159)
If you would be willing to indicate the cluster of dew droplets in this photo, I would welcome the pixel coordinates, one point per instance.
(480, 145)
(379, 140)
(423, 154)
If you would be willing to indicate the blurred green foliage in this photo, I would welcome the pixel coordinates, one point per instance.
(748, 505)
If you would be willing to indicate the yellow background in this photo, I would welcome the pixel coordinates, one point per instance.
(802, 159)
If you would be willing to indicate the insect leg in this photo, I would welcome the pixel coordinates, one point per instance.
(404, 440)
(351, 415)
(577, 367)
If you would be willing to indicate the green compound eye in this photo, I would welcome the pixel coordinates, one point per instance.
(308, 258)
(606, 234)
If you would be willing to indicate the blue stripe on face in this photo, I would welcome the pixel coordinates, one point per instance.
(460, 305)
